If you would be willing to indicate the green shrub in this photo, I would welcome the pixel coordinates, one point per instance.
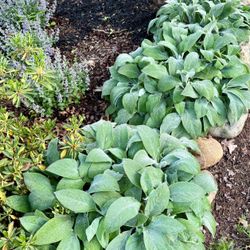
(22, 146)
(188, 80)
(132, 188)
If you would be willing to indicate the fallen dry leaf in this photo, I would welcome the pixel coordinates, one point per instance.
(229, 144)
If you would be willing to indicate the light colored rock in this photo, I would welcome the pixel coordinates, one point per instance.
(229, 131)
(211, 152)
(245, 53)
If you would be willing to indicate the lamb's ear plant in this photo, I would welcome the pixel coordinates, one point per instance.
(229, 15)
(131, 188)
(185, 82)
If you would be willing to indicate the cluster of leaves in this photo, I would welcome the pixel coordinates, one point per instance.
(190, 78)
(32, 72)
(22, 146)
(131, 188)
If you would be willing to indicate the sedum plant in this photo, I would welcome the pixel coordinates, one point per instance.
(131, 188)
(185, 82)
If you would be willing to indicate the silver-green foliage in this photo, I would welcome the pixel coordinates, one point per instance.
(190, 78)
(134, 188)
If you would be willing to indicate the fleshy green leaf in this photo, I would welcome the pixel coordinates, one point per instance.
(119, 212)
(155, 70)
(70, 243)
(158, 200)
(19, 203)
(129, 70)
(67, 168)
(151, 141)
(185, 192)
(54, 230)
(76, 200)
(119, 242)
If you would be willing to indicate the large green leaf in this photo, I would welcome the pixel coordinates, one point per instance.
(129, 70)
(191, 124)
(70, 243)
(158, 200)
(151, 178)
(119, 242)
(52, 153)
(167, 83)
(192, 61)
(19, 203)
(92, 229)
(54, 230)
(132, 168)
(32, 222)
(170, 122)
(151, 141)
(104, 183)
(123, 59)
(135, 241)
(104, 136)
(97, 155)
(161, 233)
(41, 196)
(120, 211)
(185, 192)
(204, 88)
(188, 43)
(129, 102)
(92, 245)
(206, 180)
(156, 71)
(66, 183)
(209, 222)
(67, 168)
(76, 200)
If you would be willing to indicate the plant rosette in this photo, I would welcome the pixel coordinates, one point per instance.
(133, 188)
(190, 78)
(182, 95)
(231, 16)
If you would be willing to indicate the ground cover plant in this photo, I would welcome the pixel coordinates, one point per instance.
(190, 78)
(125, 191)
(22, 146)
(33, 73)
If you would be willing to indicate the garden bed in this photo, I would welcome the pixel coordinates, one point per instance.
(93, 33)
(97, 31)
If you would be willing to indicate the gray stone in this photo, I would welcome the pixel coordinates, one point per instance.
(229, 131)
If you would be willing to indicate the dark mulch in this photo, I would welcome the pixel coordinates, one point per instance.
(97, 31)
(233, 199)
